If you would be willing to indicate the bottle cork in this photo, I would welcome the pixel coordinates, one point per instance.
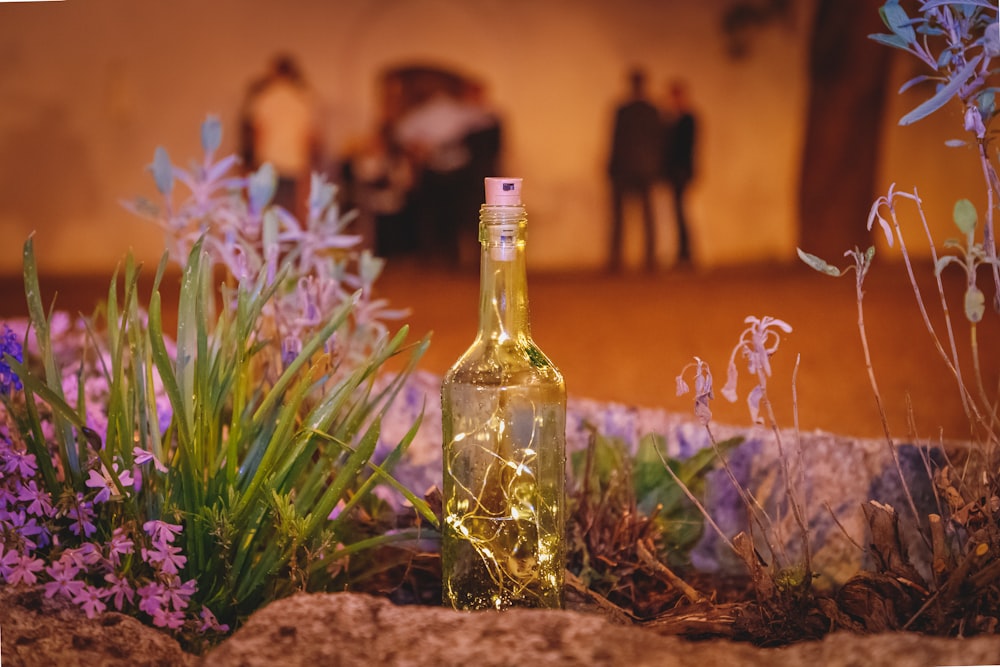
(503, 191)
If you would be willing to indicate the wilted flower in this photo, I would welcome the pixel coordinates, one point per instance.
(757, 343)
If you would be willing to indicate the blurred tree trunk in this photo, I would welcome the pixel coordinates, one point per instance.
(848, 75)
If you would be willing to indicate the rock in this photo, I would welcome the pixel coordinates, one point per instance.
(35, 630)
(345, 629)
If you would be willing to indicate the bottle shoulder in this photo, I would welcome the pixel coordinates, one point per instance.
(504, 362)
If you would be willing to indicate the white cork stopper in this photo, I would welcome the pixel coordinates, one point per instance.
(503, 191)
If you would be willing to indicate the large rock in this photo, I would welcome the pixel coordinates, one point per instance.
(40, 631)
(348, 629)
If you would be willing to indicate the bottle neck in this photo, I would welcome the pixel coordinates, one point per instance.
(503, 300)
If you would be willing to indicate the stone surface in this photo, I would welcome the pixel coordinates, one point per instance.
(35, 630)
(349, 629)
(346, 629)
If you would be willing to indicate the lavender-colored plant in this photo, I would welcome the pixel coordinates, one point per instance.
(189, 476)
(957, 42)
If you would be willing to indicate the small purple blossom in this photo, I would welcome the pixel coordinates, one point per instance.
(161, 531)
(90, 599)
(167, 557)
(39, 501)
(21, 463)
(168, 619)
(143, 457)
(119, 545)
(151, 598)
(24, 570)
(81, 513)
(9, 345)
(64, 582)
(119, 590)
(210, 622)
(9, 558)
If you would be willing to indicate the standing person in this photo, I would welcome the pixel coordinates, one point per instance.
(678, 159)
(634, 164)
(280, 126)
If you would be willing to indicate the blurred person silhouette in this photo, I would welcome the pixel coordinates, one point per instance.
(379, 180)
(634, 165)
(452, 137)
(279, 125)
(678, 158)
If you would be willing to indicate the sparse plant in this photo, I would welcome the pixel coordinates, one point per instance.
(957, 41)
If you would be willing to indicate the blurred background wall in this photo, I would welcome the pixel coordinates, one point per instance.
(89, 88)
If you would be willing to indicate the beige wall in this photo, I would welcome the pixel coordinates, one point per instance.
(90, 87)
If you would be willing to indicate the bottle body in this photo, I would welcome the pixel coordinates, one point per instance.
(504, 429)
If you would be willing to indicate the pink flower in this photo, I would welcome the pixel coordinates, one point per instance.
(8, 559)
(168, 619)
(161, 531)
(39, 501)
(168, 557)
(90, 600)
(64, 582)
(119, 545)
(120, 589)
(24, 571)
(209, 622)
(151, 598)
(142, 457)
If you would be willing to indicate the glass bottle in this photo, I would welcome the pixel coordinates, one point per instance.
(504, 432)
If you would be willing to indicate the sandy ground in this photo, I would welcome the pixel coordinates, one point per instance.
(624, 338)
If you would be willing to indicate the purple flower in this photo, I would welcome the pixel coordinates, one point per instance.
(28, 528)
(209, 622)
(21, 463)
(168, 558)
(119, 545)
(178, 594)
(143, 457)
(90, 600)
(9, 345)
(161, 531)
(9, 558)
(63, 573)
(82, 514)
(120, 589)
(151, 598)
(85, 555)
(168, 619)
(39, 501)
(24, 570)
(102, 480)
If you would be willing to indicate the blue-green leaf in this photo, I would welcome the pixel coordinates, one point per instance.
(211, 134)
(943, 95)
(163, 171)
(897, 20)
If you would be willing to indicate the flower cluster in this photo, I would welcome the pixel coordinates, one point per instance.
(310, 262)
(61, 545)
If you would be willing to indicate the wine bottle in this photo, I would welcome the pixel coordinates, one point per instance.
(504, 437)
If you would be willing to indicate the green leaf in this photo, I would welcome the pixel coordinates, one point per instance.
(820, 265)
(965, 216)
(975, 304)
